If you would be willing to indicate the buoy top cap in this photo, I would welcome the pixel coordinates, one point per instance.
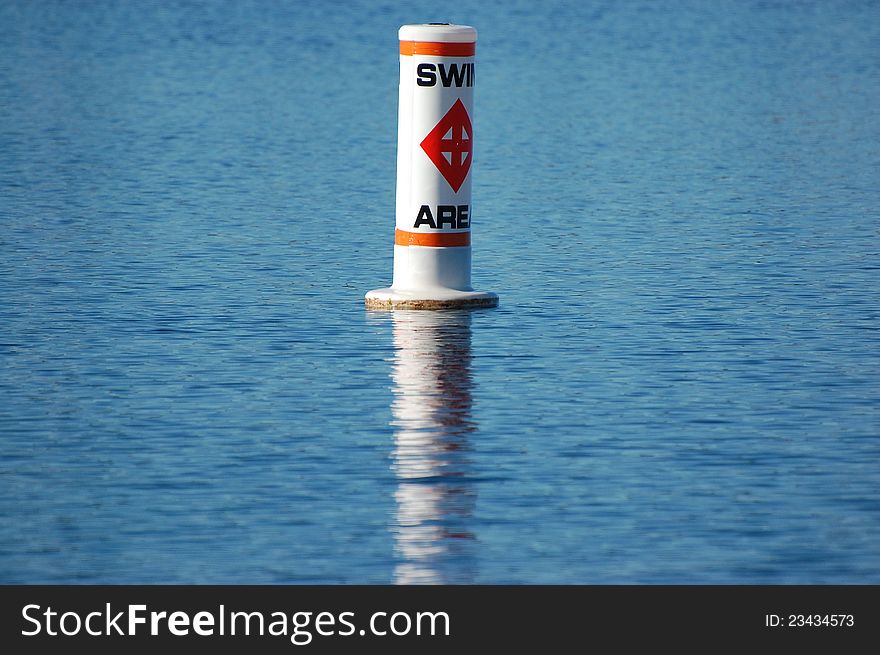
(438, 33)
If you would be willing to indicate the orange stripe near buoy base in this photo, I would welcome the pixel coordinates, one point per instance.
(432, 239)
(438, 49)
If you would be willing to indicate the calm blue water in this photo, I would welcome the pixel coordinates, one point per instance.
(676, 202)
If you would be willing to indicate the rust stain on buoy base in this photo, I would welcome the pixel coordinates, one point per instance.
(394, 299)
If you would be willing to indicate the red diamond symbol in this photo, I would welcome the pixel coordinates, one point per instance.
(452, 136)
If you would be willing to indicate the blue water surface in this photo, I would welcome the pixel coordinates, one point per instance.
(677, 203)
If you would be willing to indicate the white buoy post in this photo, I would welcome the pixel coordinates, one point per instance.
(435, 146)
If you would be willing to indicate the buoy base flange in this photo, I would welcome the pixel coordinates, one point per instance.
(391, 298)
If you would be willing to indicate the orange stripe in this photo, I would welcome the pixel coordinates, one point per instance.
(438, 49)
(432, 239)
